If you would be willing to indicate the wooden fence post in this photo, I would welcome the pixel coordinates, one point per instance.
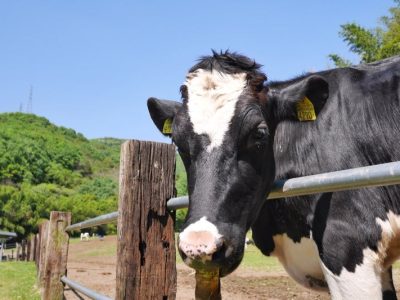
(43, 228)
(23, 255)
(56, 256)
(37, 250)
(28, 249)
(33, 247)
(146, 267)
(18, 251)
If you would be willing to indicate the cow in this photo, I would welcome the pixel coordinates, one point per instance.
(85, 236)
(236, 133)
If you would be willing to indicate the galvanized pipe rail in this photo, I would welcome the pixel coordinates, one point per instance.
(100, 220)
(83, 290)
(371, 176)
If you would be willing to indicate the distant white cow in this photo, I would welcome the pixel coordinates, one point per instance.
(248, 242)
(85, 235)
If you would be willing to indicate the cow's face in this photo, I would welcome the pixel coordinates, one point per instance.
(224, 132)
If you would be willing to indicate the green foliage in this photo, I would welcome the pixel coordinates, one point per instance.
(181, 190)
(372, 44)
(102, 188)
(44, 167)
(339, 61)
(180, 177)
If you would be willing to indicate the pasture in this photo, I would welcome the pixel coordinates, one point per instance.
(18, 281)
(93, 264)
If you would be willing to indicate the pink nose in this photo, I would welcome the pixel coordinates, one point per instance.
(200, 244)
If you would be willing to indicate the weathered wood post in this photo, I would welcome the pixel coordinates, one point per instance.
(146, 267)
(23, 246)
(43, 228)
(18, 251)
(55, 258)
(37, 251)
(33, 247)
(28, 249)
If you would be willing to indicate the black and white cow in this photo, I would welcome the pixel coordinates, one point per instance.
(236, 135)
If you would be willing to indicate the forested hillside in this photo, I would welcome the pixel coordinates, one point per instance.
(44, 167)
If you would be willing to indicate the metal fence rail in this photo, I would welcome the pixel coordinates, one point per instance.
(83, 290)
(100, 220)
(371, 176)
(378, 175)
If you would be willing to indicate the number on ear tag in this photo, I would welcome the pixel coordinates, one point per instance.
(305, 110)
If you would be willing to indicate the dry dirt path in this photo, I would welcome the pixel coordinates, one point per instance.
(93, 264)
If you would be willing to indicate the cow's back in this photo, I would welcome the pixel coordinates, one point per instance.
(359, 125)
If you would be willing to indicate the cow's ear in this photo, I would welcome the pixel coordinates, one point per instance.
(162, 113)
(302, 100)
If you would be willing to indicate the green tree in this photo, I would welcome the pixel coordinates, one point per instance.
(44, 167)
(372, 44)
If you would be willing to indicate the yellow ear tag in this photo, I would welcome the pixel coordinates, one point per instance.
(167, 127)
(305, 110)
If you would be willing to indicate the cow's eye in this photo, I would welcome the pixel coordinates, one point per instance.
(261, 132)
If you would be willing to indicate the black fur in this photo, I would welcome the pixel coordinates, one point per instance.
(359, 126)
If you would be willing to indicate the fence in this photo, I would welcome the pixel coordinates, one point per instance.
(145, 224)
(23, 251)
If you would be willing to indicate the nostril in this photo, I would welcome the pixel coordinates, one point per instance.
(221, 251)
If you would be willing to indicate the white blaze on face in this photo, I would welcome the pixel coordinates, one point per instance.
(212, 98)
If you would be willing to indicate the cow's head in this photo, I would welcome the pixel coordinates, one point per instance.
(224, 131)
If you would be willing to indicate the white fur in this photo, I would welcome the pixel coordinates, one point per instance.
(300, 260)
(212, 98)
(390, 237)
(200, 225)
(85, 235)
(389, 246)
(364, 283)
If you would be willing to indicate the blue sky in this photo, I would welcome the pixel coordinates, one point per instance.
(93, 64)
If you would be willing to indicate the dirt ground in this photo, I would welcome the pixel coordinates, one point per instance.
(92, 263)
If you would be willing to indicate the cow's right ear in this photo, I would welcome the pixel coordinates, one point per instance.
(301, 100)
(162, 113)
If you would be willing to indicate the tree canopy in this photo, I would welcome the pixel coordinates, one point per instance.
(372, 44)
(44, 167)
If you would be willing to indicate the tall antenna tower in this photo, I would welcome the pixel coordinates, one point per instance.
(21, 107)
(29, 108)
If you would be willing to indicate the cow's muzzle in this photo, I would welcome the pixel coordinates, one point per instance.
(201, 241)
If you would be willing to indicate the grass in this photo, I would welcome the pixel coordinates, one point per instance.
(18, 281)
(109, 250)
(104, 250)
(253, 259)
